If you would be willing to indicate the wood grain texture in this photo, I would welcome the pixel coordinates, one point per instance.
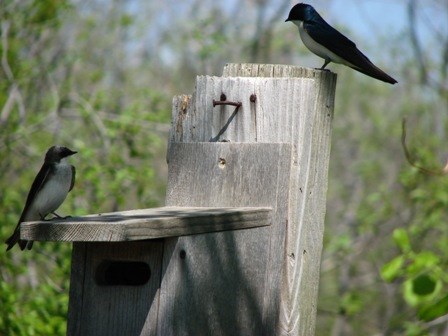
(293, 105)
(221, 284)
(311, 138)
(146, 224)
(96, 310)
(76, 295)
(276, 70)
(258, 281)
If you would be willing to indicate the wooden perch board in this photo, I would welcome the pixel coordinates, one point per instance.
(146, 224)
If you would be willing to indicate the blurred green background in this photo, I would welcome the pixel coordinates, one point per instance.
(99, 76)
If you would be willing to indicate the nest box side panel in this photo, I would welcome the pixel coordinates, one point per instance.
(114, 288)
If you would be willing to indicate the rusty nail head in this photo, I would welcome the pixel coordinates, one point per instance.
(253, 97)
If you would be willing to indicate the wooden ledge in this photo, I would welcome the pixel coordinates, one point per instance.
(146, 224)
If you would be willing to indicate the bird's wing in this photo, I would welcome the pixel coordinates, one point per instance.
(327, 36)
(336, 42)
(39, 181)
(73, 178)
(42, 176)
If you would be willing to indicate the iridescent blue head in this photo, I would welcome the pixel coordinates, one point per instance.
(301, 12)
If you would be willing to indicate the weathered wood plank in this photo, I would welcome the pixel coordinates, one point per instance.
(77, 280)
(295, 107)
(253, 122)
(97, 309)
(146, 224)
(216, 284)
(180, 124)
(311, 137)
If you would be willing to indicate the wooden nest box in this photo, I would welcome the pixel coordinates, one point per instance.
(236, 250)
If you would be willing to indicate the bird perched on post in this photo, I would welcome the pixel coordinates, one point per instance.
(48, 191)
(325, 41)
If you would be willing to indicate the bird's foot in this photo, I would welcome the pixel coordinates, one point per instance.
(325, 64)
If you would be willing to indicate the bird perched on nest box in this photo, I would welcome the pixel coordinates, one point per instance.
(50, 188)
(325, 41)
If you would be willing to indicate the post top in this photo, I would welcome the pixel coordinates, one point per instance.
(274, 70)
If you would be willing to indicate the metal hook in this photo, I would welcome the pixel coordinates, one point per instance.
(226, 102)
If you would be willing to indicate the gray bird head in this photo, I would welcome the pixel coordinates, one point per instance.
(57, 153)
(301, 12)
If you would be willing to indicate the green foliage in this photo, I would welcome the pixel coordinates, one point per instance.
(420, 265)
(54, 92)
(435, 310)
(393, 268)
(99, 77)
(401, 238)
(351, 303)
(209, 37)
(386, 235)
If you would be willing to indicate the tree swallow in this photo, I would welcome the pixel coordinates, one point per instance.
(325, 41)
(49, 189)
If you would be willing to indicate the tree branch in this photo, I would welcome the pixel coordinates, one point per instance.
(412, 160)
(412, 4)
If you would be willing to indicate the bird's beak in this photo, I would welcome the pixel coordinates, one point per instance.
(287, 20)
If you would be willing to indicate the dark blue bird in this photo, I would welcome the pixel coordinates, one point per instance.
(326, 42)
(48, 191)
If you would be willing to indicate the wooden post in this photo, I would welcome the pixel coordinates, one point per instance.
(284, 104)
(237, 249)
